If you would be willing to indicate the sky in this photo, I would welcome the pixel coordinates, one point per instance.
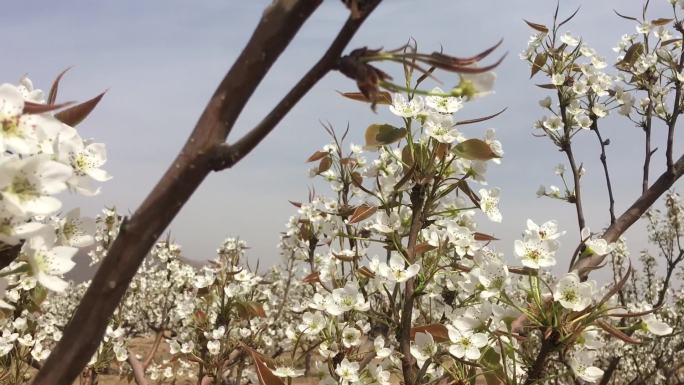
(160, 61)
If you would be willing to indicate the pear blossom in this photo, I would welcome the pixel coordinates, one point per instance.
(478, 84)
(288, 372)
(214, 347)
(582, 363)
(654, 326)
(547, 230)
(397, 271)
(465, 343)
(558, 79)
(75, 230)
(406, 109)
(348, 371)
(598, 246)
(351, 337)
(443, 104)
(49, 262)
(546, 102)
(535, 253)
(489, 202)
(423, 347)
(17, 130)
(440, 128)
(583, 120)
(345, 299)
(553, 123)
(85, 159)
(27, 185)
(573, 294)
(380, 350)
(387, 223)
(14, 228)
(568, 39)
(312, 323)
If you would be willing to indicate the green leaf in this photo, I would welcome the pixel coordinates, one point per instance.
(475, 149)
(383, 134)
(250, 309)
(660, 22)
(631, 56)
(378, 98)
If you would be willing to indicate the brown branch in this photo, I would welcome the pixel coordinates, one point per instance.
(278, 25)
(676, 110)
(9, 254)
(566, 147)
(547, 347)
(138, 369)
(604, 161)
(632, 214)
(155, 346)
(647, 143)
(226, 155)
(407, 361)
(576, 181)
(608, 373)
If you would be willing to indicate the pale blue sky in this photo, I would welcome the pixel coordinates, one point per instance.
(161, 60)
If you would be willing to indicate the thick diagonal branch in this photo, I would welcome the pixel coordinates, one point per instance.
(633, 213)
(227, 155)
(278, 25)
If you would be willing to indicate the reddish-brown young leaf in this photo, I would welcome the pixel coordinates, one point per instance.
(74, 115)
(547, 86)
(484, 237)
(318, 155)
(538, 63)
(383, 97)
(324, 165)
(312, 278)
(438, 331)
(264, 373)
(423, 248)
(364, 271)
(39, 108)
(52, 96)
(295, 204)
(362, 212)
(610, 329)
(537, 27)
(478, 120)
(356, 179)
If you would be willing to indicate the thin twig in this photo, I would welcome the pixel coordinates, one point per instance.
(604, 161)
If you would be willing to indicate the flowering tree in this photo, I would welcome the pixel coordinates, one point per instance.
(388, 279)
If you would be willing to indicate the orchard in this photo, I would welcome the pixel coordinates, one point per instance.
(386, 275)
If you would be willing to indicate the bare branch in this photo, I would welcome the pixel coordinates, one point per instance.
(227, 155)
(632, 214)
(604, 161)
(9, 254)
(278, 25)
(138, 369)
